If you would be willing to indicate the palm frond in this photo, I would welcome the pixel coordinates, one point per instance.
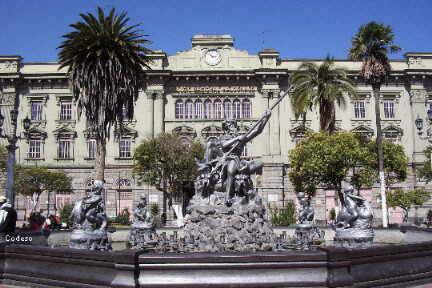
(105, 57)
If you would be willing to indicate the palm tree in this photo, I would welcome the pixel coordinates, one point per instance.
(105, 57)
(371, 45)
(320, 85)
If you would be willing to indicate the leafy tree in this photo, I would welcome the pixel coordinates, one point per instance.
(395, 161)
(32, 181)
(406, 199)
(167, 163)
(425, 171)
(323, 159)
(371, 45)
(105, 57)
(323, 86)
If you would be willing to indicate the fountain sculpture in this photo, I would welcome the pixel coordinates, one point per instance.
(142, 234)
(306, 232)
(90, 221)
(354, 221)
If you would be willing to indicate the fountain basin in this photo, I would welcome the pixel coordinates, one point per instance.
(394, 265)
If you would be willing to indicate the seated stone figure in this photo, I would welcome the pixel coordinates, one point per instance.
(90, 221)
(306, 212)
(354, 221)
(142, 234)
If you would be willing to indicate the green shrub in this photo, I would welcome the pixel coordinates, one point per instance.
(65, 213)
(284, 216)
(154, 209)
(332, 214)
(123, 218)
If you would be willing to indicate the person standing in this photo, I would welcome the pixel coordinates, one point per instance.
(8, 216)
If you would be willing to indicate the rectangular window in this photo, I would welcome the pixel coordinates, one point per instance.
(125, 148)
(34, 149)
(91, 147)
(65, 110)
(65, 147)
(359, 109)
(36, 110)
(389, 109)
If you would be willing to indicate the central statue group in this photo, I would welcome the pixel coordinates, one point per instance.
(226, 212)
(223, 168)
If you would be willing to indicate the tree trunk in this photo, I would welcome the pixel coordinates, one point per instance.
(376, 92)
(327, 117)
(100, 159)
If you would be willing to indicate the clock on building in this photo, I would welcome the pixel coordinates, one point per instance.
(212, 57)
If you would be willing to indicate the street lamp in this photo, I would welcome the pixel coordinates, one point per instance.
(12, 139)
(419, 122)
(419, 125)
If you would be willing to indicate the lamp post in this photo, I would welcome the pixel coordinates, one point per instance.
(12, 139)
(420, 125)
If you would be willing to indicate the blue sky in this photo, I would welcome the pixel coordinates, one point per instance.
(297, 29)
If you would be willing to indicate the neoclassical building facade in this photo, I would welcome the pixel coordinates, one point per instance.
(190, 93)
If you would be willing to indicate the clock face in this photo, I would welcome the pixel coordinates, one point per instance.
(212, 57)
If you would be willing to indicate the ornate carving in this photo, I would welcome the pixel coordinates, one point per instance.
(7, 99)
(211, 131)
(419, 95)
(9, 67)
(185, 131)
(204, 90)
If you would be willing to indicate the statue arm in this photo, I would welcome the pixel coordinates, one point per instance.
(257, 128)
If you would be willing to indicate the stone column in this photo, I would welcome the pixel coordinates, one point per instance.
(418, 97)
(274, 140)
(159, 113)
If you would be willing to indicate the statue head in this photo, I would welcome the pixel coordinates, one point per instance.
(3, 200)
(349, 189)
(302, 198)
(143, 201)
(230, 127)
(97, 187)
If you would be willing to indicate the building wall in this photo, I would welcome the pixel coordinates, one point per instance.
(187, 75)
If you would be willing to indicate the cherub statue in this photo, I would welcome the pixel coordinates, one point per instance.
(306, 212)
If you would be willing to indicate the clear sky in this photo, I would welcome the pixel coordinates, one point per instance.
(297, 29)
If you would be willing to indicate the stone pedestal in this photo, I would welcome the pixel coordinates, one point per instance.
(211, 226)
(90, 240)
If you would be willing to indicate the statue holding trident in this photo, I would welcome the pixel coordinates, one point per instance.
(226, 213)
(223, 168)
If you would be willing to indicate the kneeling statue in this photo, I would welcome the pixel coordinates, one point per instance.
(90, 221)
(142, 234)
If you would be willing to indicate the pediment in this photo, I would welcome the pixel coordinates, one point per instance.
(231, 59)
(36, 133)
(392, 132)
(299, 131)
(211, 131)
(126, 131)
(65, 131)
(185, 131)
(362, 129)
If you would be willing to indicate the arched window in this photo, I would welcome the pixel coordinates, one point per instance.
(199, 109)
(227, 109)
(236, 109)
(207, 109)
(179, 109)
(188, 109)
(246, 107)
(217, 104)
